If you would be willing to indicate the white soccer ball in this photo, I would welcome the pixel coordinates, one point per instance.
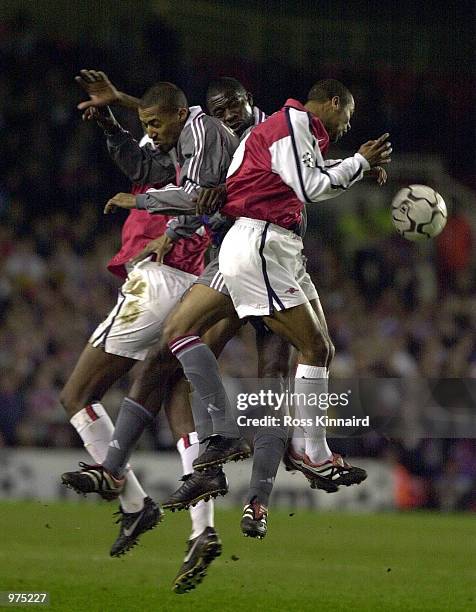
(418, 212)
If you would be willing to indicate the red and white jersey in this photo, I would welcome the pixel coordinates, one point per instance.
(141, 227)
(279, 167)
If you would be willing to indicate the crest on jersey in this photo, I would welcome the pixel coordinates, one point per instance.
(308, 160)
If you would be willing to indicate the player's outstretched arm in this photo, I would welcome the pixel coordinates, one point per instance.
(299, 162)
(120, 200)
(101, 91)
(143, 165)
(129, 201)
(378, 172)
(104, 118)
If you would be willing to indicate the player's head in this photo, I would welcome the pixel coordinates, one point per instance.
(163, 111)
(229, 101)
(333, 103)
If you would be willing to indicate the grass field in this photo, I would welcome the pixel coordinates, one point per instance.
(309, 561)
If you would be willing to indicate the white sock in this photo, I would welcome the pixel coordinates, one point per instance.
(298, 442)
(202, 513)
(133, 495)
(313, 379)
(95, 427)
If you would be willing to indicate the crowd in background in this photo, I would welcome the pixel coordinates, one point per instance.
(391, 311)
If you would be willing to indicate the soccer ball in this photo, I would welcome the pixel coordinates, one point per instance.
(418, 212)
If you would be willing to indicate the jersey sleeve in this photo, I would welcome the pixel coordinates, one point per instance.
(143, 165)
(183, 226)
(330, 163)
(170, 200)
(299, 162)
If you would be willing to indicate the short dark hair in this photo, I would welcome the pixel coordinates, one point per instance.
(227, 85)
(166, 95)
(328, 88)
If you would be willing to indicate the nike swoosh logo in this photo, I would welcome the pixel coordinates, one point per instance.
(187, 558)
(129, 530)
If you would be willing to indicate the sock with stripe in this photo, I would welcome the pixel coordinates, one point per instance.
(268, 451)
(201, 369)
(201, 418)
(131, 422)
(313, 380)
(95, 428)
(203, 513)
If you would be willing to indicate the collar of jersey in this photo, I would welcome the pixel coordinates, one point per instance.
(291, 102)
(146, 140)
(295, 104)
(194, 112)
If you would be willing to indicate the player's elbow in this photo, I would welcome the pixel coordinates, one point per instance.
(317, 187)
(320, 193)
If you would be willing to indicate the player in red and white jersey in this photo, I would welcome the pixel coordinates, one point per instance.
(150, 290)
(276, 170)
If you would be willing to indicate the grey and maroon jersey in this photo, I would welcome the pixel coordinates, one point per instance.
(142, 162)
(201, 159)
(204, 152)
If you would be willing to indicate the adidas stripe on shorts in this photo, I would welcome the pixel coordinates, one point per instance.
(213, 278)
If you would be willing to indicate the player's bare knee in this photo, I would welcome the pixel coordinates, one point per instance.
(174, 328)
(276, 367)
(316, 352)
(70, 401)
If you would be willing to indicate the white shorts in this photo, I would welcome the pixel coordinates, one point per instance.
(145, 299)
(263, 268)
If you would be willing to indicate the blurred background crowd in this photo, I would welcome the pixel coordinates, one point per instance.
(394, 309)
